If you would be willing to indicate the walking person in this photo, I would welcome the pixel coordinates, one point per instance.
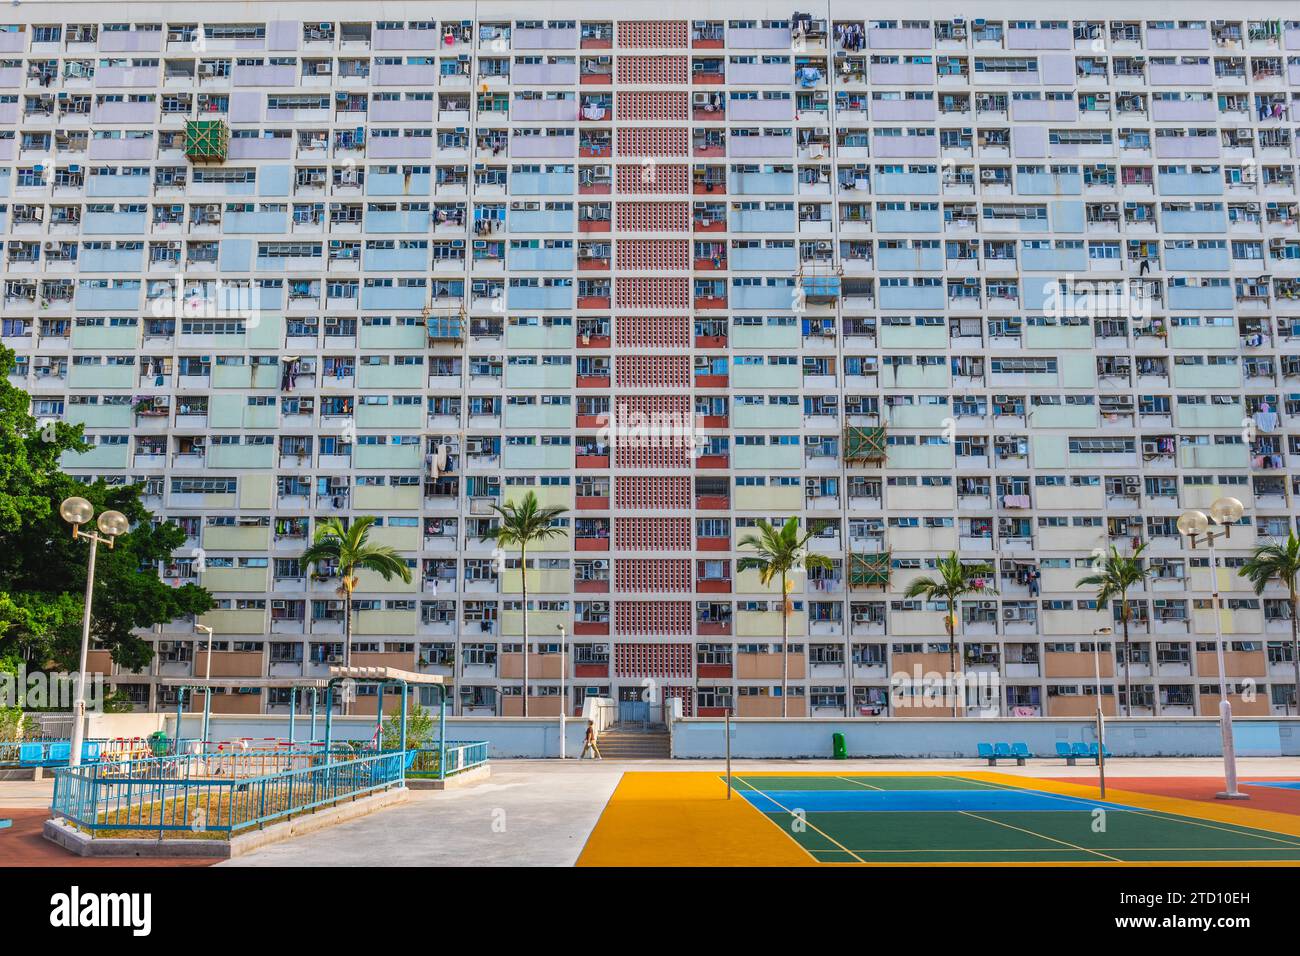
(589, 743)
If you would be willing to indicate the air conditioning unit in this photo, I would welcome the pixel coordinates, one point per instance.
(988, 175)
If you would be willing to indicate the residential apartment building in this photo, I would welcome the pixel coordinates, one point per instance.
(1023, 287)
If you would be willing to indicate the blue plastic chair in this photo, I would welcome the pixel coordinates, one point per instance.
(1063, 749)
(1003, 750)
(1020, 750)
(1092, 751)
(986, 753)
(1080, 749)
(90, 751)
(31, 755)
(60, 753)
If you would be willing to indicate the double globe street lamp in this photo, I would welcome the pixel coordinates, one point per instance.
(1224, 513)
(77, 512)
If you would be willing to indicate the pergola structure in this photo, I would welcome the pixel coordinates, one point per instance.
(380, 676)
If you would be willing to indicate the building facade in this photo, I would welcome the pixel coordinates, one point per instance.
(1015, 287)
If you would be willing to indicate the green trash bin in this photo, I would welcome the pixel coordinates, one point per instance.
(837, 746)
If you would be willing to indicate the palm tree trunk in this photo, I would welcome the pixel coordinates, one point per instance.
(523, 583)
(1295, 644)
(347, 634)
(1128, 689)
(785, 649)
(952, 654)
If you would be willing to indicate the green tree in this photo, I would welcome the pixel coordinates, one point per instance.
(1281, 563)
(345, 550)
(955, 581)
(419, 729)
(519, 525)
(43, 570)
(1117, 575)
(777, 555)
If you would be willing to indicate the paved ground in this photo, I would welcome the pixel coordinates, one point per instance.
(541, 812)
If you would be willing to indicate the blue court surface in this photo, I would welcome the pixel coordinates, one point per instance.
(1280, 784)
(918, 801)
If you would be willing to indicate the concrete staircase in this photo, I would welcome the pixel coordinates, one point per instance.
(631, 742)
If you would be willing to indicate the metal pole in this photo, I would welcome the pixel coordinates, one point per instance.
(293, 707)
(329, 722)
(315, 694)
(379, 719)
(207, 715)
(1101, 720)
(1225, 706)
(564, 698)
(442, 732)
(79, 706)
(180, 710)
(726, 723)
(402, 732)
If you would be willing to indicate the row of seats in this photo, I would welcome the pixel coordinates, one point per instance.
(1020, 752)
(55, 755)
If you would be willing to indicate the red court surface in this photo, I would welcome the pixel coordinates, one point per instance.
(1276, 799)
(22, 845)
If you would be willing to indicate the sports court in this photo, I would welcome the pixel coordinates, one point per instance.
(929, 819)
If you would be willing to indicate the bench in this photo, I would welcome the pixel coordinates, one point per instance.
(1072, 752)
(993, 752)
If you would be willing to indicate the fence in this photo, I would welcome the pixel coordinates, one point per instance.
(206, 793)
(459, 756)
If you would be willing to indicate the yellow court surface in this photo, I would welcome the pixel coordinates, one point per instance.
(949, 819)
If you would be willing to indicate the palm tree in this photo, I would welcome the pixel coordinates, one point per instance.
(348, 549)
(954, 582)
(778, 554)
(1280, 562)
(1117, 576)
(519, 525)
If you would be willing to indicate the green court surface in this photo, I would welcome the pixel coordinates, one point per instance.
(949, 819)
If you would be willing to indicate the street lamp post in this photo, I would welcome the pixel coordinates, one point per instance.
(1225, 512)
(564, 700)
(207, 676)
(76, 512)
(1101, 719)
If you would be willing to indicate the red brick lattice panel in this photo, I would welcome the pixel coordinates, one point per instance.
(684, 693)
(651, 105)
(652, 492)
(652, 331)
(643, 255)
(652, 575)
(668, 70)
(652, 293)
(652, 371)
(653, 34)
(652, 216)
(652, 534)
(652, 660)
(652, 141)
(653, 177)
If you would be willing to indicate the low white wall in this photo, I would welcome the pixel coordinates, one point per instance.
(938, 738)
(508, 736)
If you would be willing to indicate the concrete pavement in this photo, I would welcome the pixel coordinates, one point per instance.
(541, 812)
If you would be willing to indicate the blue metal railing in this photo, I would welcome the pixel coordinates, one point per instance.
(457, 757)
(206, 793)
